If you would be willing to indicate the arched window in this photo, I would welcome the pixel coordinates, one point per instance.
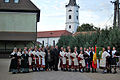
(69, 26)
(69, 16)
(69, 10)
(77, 17)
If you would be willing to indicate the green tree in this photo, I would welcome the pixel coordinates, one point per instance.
(87, 27)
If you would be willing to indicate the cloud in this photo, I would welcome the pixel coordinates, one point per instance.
(53, 13)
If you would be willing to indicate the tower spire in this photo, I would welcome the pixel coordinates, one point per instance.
(72, 3)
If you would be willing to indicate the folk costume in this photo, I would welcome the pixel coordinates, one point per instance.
(75, 60)
(87, 61)
(30, 59)
(81, 62)
(61, 59)
(24, 62)
(42, 57)
(114, 60)
(103, 60)
(34, 62)
(109, 60)
(69, 60)
(63, 56)
(14, 62)
(19, 60)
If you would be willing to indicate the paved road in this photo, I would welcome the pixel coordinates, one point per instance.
(52, 75)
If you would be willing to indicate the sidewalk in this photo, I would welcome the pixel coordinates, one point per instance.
(52, 75)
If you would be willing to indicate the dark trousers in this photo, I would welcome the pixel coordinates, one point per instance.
(56, 64)
(50, 65)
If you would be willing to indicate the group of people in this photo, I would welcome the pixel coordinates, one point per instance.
(51, 58)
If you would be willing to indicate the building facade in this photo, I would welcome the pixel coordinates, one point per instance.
(72, 16)
(51, 38)
(18, 24)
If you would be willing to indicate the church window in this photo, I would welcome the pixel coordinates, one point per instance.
(70, 10)
(54, 43)
(16, 1)
(43, 43)
(77, 17)
(69, 26)
(69, 16)
(6, 1)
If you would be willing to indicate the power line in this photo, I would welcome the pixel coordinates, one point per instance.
(108, 20)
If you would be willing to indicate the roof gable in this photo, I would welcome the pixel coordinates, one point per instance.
(21, 6)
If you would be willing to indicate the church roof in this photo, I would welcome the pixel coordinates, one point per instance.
(21, 6)
(72, 3)
(83, 32)
(47, 34)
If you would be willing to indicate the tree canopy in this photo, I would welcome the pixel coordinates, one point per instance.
(87, 27)
(103, 38)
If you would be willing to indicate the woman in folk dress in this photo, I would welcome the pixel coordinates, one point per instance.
(19, 59)
(30, 58)
(81, 61)
(14, 62)
(24, 62)
(63, 55)
(75, 59)
(69, 59)
(103, 62)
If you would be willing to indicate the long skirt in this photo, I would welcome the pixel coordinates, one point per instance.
(13, 66)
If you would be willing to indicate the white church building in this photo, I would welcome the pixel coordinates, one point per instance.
(51, 38)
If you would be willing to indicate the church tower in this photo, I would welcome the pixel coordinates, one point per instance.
(72, 16)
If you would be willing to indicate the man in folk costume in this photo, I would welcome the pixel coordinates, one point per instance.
(61, 58)
(19, 59)
(75, 59)
(37, 60)
(14, 62)
(42, 54)
(24, 62)
(109, 59)
(114, 58)
(103, 60)
(87, 60)
(34, 60)
(69, 60)
(81, 61)
(39, 56)
(91, 52)
(30, 57)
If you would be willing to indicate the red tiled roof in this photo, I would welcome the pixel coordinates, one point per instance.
(84, 32)
(45, 34)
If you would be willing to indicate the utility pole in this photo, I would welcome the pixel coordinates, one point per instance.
(116, 22)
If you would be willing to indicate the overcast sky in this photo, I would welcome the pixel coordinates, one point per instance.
(53, 12)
